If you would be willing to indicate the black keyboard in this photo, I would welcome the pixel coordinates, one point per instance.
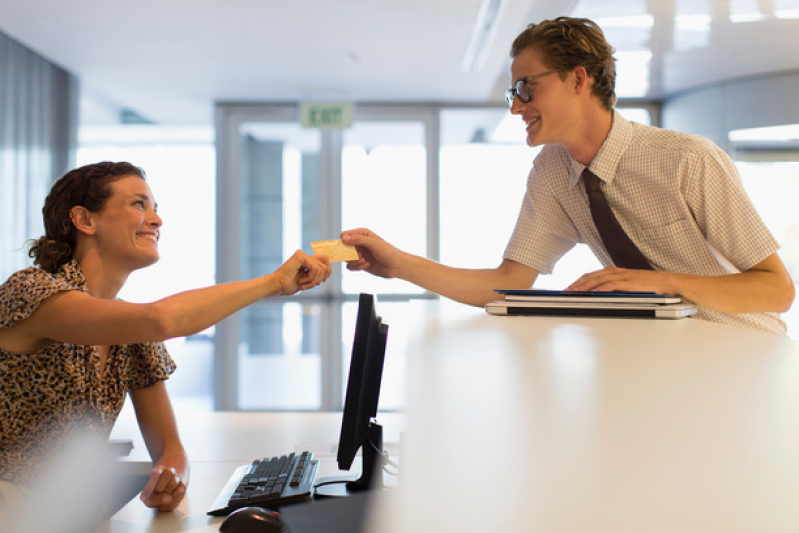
(268, 482)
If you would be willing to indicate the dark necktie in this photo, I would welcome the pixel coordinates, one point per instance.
(621, 249)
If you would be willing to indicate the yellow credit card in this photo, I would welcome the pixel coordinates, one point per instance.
(335, 250)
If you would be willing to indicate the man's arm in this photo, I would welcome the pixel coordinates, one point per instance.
(170, 474)
(469, 286)
(766, 287)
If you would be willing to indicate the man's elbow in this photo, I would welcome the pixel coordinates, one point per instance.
(786, 296)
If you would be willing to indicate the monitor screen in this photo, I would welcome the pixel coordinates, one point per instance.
(358, 427)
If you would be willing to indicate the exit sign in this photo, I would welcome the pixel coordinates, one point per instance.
(326, 115)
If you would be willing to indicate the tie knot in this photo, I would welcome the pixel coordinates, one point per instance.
(590, 181)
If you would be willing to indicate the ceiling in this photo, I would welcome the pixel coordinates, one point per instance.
(168, 61)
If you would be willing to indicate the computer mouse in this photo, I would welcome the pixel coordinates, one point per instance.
(253, 520)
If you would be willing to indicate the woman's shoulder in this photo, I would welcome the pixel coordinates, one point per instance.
(33, 277)
(24, 290)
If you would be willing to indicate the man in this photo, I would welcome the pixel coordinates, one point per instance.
(677, 197)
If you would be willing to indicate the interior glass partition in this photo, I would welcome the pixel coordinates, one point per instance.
(279, 358)
(385, 187)
(280, 187)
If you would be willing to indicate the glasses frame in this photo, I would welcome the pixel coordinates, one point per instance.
(513, 92)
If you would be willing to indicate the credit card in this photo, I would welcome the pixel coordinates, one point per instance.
(335, 249)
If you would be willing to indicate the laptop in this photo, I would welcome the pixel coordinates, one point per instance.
(624, 304)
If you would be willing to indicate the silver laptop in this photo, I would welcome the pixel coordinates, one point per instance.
(536, 302)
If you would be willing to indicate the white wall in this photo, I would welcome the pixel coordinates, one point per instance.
(748, 103)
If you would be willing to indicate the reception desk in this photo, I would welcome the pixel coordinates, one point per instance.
(519, 424)
(598, 425)
(217, 442)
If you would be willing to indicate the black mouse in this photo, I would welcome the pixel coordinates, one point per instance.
(253, 520)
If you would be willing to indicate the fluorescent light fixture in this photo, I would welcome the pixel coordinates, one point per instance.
(110, 134)
(633, 21)
(789, 132)
(787, 14)
(693, 22)
(747, 17)
(485, 29)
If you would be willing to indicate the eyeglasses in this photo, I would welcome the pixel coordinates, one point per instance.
(522, 90)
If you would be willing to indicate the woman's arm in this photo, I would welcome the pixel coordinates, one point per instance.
(170, 474)
(78, 318)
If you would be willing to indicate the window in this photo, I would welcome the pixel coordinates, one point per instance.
(282, 187)
(768, 161)
(171, 158)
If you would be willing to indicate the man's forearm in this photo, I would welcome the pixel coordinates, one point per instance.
(469, 286)
(748, 292)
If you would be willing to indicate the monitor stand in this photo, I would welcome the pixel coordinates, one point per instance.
(371, 469)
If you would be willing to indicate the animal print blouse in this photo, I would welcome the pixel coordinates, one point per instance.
(48, 396)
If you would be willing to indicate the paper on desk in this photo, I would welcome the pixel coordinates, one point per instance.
(336, 250)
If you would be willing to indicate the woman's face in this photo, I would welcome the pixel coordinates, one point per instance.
(128, 226)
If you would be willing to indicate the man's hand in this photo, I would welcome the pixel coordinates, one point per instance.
(376, 255)
(766, 287)
(624, 279)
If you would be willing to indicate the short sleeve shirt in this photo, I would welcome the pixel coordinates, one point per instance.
(48, 396)
(677, 196)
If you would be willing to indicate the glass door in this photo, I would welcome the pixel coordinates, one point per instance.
(281, 186)
(389, 186)
(267, 356)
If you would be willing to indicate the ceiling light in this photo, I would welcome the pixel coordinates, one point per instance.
(787, 14)
(482, 36)
(747, 17)
(633, 21)
(788, 132)
(693, 22)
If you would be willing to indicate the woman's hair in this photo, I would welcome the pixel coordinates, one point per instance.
(88, 186)
(566, 43)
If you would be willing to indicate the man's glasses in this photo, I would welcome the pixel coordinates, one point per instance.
(521, 88)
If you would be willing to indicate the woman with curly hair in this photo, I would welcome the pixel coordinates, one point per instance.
(70, 350)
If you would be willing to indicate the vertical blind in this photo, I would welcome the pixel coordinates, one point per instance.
(38, 139)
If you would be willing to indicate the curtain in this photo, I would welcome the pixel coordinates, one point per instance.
(38, 139)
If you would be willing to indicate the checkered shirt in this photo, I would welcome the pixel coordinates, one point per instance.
(677, 196)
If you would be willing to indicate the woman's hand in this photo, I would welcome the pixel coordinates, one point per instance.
(165, 489)
(302, 272)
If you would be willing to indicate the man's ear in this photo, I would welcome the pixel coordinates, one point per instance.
(581, 80)
(82, 220)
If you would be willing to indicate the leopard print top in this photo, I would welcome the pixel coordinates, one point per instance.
(48, 396)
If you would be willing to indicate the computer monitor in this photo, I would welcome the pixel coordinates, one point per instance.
(359, 429)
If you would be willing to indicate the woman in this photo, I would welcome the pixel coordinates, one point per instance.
(70, 350)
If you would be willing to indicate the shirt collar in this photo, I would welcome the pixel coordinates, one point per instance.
(607, 159)
(72, 272)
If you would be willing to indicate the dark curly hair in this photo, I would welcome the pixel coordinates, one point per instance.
(566, 43)
(87, 186)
